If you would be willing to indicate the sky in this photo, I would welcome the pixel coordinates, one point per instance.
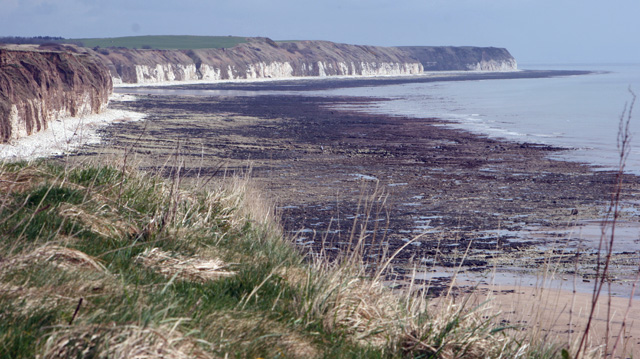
(534, 31)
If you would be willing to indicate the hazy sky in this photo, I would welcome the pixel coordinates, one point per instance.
(534, 31)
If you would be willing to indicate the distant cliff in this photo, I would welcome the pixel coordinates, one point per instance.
(264, 58)
(448, 58)
(38, 86)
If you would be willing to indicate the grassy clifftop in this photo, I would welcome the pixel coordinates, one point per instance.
(102, 261)
(169, 42)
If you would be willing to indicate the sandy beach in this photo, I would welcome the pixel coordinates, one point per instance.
(563, 315)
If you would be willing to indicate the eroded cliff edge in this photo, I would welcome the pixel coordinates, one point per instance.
(264, 58)
(39, 85)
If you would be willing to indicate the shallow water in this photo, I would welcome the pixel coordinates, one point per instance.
(578, 112)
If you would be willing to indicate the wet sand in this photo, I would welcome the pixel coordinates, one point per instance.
(562, 315)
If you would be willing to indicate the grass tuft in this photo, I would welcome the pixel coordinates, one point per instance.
(122, 341)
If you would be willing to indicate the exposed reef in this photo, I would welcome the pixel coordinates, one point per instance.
(332, 168)
(40, 85)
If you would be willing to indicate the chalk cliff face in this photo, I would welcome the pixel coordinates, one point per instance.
(264, 58)
(467, 58)
(259, 58)
(38, 86)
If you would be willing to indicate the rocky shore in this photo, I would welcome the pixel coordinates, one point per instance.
(450, 198)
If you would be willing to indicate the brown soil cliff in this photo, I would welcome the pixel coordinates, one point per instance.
(42, 84)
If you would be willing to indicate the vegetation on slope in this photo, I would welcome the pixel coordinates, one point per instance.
(103, 261)
(169, 42)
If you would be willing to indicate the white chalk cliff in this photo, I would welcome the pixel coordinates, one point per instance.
(261, 58)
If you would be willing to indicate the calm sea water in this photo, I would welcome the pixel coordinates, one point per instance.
(578, 112)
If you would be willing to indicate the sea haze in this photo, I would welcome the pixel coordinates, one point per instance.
(579, 112)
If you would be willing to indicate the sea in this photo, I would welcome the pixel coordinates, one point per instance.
(581, 113)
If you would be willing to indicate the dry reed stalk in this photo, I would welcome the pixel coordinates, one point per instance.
(453, 331)
(122, 342)
(248, 202)
(62, 257)
(607, 241)
(99, 221)
(188, 268)
(365, 310)
(348, 302)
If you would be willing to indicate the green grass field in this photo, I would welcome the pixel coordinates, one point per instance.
(164, 42)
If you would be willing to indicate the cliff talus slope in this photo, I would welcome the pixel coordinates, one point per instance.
(38, 86)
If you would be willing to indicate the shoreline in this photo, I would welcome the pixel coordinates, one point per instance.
(68, 134)
(455, 188)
